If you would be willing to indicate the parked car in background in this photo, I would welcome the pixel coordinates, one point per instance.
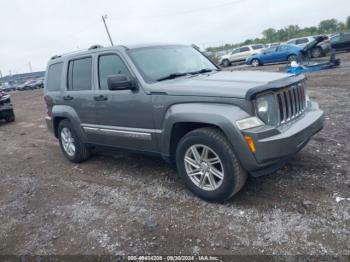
(240, 54)
(320, 50)
(31, 84)
(281, 53)
(6, 108)
(341, 42)
(7, 87)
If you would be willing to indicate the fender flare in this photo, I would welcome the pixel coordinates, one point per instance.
(64, 111)
(224, 116)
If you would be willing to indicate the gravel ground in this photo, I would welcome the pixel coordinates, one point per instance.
(124, 204)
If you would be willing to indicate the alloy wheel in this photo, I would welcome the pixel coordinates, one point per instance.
(204, 167)
(68, 141)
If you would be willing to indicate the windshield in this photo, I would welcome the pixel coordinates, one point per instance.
(161, 62)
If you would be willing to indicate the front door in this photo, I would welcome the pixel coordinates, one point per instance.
(125, 117)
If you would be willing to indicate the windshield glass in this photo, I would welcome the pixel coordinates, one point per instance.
(156, 63)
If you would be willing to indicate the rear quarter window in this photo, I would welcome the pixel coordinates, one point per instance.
(54, 75)
(302, 41)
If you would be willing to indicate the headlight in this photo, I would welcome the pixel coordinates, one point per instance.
(266, 109)
(249, 122)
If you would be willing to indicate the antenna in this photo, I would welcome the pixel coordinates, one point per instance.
(104, 17)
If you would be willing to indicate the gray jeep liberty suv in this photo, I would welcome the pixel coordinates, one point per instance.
(170, 100)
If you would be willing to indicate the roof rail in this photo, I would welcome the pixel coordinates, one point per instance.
(95, 47)
(55, 56)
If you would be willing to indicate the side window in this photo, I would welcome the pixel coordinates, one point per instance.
(257, 47)
(244, 49)
(301, 41)
(335, 39)
(235, 51)
(282, 48)
(79, 74)
(54, 77)
(109, 65)
(346, 37)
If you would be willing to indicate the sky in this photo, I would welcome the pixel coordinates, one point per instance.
(32, 31)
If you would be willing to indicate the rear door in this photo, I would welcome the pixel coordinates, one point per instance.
(244, 52)
(281, 53)
(336, 42)
(346, 41)
(268, 55)
(79, 93)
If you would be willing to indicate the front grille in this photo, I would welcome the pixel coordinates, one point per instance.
(291, 102)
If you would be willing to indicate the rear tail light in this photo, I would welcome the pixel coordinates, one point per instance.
(49, 104)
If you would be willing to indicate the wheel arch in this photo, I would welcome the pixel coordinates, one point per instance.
(61, 112)
(183, 118)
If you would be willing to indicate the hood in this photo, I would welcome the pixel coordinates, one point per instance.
(237, 84)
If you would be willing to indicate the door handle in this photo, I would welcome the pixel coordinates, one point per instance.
(101, 98)
(68, 97)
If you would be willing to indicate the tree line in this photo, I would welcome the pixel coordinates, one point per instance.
(271, 35)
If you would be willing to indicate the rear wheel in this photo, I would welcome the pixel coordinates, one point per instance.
(206, 162)
(71, 144)
(226, 63)
(255, 62)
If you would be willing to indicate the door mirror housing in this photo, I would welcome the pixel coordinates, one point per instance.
(120, 82)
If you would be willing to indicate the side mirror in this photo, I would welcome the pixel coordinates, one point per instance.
(120, 82)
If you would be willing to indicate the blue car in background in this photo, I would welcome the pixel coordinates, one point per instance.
(276, 54)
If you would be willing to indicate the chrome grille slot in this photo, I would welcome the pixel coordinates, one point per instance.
(290, 102)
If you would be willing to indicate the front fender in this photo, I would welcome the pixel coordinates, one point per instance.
(67, 112)
(223, 116)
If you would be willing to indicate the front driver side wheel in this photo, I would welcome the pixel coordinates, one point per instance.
(206, 162)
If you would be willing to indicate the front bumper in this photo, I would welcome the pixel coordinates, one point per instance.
(276, 146)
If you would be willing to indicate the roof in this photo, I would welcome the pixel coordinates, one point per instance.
(98, 48)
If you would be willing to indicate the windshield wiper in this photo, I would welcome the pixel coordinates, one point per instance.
(202, 71)
(171, 76)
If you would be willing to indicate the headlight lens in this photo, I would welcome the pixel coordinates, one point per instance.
(249, 122)
(266, 109)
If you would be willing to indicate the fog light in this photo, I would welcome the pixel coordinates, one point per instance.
(250, 143)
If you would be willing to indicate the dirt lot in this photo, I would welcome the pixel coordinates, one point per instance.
(131, 204)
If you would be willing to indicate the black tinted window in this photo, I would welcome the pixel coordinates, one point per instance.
(79, 74)
(244, 49)
(257, 47)
(302, 41)
(346, 37)
(109, 65)
(54, 77)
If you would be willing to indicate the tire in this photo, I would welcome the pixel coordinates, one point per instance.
(316, 52)
(80, 152)
(232, 176)
(292, 58)
(226, 63)
(255, 62)
(10, 118)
